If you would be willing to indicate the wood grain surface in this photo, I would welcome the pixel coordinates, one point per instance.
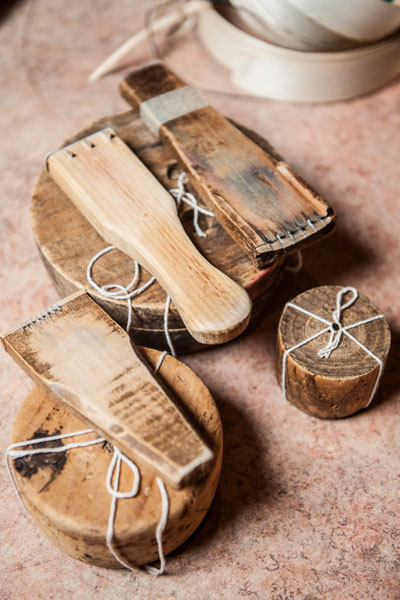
(342, 384)
(262, 203)
(66, 493)
(66, 242)
(132, 211)
(86, 361)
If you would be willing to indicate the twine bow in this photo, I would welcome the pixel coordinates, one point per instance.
(336, 331)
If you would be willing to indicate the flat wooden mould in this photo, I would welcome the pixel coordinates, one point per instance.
(85, 360)
(261, 202)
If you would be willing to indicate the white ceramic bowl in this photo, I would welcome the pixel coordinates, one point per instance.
(271, 71)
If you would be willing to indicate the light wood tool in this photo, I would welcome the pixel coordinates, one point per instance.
(262, 203)
(83, 359)
(131, 210)
(67, 242)
(66, 493)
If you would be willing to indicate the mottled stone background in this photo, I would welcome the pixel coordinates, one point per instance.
(306, 509)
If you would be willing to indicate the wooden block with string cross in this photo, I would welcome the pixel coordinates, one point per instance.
(331, 350)
(261, 202)
(67, 242)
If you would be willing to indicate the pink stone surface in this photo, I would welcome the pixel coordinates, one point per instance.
(306, 509)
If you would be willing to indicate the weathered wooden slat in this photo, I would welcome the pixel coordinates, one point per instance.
(131, 210)
(83, 359)
(261, 202)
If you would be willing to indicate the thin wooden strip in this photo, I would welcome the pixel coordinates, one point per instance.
(82, 358)
(265, 207)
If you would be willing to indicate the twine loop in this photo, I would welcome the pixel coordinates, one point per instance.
(336, 329)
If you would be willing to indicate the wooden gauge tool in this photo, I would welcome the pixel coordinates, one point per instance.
(131, 210)
(67, 242)
(261, 202)
(83, 359)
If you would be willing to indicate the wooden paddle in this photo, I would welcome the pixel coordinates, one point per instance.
(85, 360)
(261, 202)
(131, 210)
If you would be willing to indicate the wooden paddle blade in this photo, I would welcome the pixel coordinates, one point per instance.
(131, 210)
(85, 360)
(260, 201)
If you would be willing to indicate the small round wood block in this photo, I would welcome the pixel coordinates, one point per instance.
(343, 383)
(66, 493)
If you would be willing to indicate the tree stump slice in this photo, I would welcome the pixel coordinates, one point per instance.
(342, 384)
(66, 493)
(66, 242)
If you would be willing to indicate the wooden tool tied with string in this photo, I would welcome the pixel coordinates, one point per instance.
(66, 494)
(260, 201)
(67, 243)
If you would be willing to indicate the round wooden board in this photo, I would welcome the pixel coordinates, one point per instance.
(66, 493)
(342, 384)
(67, 242)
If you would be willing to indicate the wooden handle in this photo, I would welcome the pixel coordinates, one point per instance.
(82, 358)
(261, 202)
(131, 210)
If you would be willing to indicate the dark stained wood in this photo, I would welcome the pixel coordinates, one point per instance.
(86, 361)
(342, 384)
(68, 499)
(260, 201)
(66, 242)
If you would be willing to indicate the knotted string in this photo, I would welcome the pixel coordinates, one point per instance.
(336, 331)
(181, 195)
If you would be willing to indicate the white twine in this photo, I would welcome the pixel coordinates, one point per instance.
(14, 452)
(336, 331)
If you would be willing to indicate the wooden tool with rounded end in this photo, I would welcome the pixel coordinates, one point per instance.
(131, 210)
(331, 375)
(67, 242)
(66, 493)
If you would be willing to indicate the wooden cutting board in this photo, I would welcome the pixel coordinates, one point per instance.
(66, 242)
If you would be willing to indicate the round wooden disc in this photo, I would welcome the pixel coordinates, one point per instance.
(341, 384)
(67, 242)
(66, 493)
